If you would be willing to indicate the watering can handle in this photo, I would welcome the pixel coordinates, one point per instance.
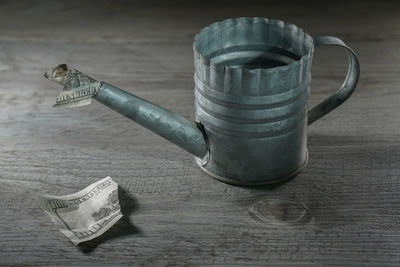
(347, 87)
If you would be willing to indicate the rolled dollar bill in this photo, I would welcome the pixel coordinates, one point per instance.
(86, 214)
(78, 88)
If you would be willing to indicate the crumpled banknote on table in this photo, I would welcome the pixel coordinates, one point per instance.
(87, 214)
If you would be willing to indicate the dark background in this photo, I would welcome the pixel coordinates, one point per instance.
(346, 200)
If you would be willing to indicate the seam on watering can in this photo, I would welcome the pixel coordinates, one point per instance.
(260, 114)
(202, 91)
(228, 128)
(206, 158)
(250, 121)
(292, 93)
(230, 132)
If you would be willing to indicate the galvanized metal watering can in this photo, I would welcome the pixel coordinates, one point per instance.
(252, 79)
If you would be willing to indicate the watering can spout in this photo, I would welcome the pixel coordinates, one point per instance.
(186, 134)
(80, 88)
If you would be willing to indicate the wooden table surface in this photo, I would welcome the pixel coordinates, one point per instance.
(348, 195)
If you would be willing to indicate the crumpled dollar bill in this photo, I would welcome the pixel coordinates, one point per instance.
(78, 88)
(87, 214)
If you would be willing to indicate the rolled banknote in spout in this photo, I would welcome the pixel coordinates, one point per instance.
(78, 88)
(87, 214)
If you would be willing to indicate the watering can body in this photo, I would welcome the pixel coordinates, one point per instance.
(252, 83)
(251, 96)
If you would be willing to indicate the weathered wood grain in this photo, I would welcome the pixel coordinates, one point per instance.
(174, 213)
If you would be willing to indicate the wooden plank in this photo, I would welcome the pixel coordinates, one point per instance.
(174, 213)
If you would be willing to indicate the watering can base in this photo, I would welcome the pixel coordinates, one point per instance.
(268, 181)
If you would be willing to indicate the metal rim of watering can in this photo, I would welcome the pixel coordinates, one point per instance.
(209, 61)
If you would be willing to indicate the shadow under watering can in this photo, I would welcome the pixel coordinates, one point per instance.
(252, 79)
